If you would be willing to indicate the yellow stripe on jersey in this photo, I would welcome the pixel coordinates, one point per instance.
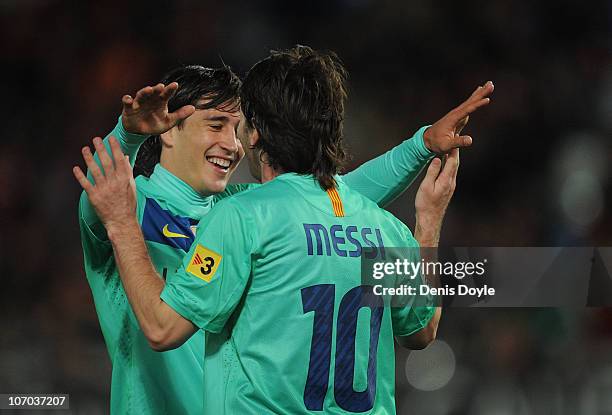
(336, 202)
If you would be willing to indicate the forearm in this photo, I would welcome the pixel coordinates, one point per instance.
(384, 178)
(143, 286)
(427, 233)
(422, 338)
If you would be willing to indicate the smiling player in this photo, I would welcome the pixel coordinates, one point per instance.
(231, 279)
(191, 118)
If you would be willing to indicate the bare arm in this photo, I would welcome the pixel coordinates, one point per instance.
(435, 194)
(431, 202)
(113, 195)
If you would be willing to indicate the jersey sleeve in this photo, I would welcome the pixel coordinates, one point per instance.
(88, 219)
(414, 312)
(210, 283)
(387, 176)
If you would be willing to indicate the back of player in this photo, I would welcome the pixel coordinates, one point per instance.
(296, 333)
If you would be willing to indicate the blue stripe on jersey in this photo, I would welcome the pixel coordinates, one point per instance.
(178, 228)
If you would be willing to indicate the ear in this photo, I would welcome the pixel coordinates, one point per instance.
(167, 138)
(253, 137)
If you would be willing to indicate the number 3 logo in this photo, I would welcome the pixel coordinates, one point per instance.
(204, 263)
(210, 263)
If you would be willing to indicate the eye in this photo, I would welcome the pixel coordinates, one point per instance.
(216, 127)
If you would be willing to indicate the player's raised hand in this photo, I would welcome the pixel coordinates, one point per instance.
(433, 197)
(113, 193)
(148, 114)
(445, 134)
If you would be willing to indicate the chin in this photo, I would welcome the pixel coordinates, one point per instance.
(218, 186)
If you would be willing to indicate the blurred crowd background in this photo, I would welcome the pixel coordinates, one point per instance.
(538, 172)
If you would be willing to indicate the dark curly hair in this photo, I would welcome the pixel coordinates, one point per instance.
(220, 85)
(295, 99)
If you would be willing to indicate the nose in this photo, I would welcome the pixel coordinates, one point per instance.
(228, 141)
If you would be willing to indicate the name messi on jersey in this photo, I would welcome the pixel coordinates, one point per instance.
(349, 241)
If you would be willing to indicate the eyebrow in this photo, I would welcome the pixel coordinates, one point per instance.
(221, 118)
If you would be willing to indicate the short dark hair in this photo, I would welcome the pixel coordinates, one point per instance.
(295, 99)
(220, 85)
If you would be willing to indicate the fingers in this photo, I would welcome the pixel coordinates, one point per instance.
(449, 172)
(127, 101)
(92, 166)
(478, 99)
(82, 179)
(154, 97)
(105, 160)
(433, 170)
(169, 91)
(482, 91)
(150, 91)
(118, 157)
(461, 141)
(181, 113)
(470, 108)
(142, 96)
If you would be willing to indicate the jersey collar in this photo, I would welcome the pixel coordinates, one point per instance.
(306, 181)
(178, 193)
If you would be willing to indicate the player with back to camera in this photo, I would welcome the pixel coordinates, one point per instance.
(249, 278)
(192, 117)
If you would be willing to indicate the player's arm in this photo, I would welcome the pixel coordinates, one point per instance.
(164, 328)
(431, 202)
(384, 178)
(113, 196)
(144, 115)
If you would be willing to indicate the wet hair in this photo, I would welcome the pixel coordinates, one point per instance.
(196, 82)
(295, 100)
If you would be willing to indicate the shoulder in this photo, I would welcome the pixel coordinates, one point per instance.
(255, 194)
(232, 209)
(232, 219)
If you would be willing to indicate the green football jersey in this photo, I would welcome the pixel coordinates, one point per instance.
(148, 382)
(274, 277)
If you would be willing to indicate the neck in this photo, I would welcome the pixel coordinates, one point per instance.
(166, 164)
(268, 173)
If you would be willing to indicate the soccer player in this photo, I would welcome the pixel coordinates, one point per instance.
(271, 300)
(189, 159)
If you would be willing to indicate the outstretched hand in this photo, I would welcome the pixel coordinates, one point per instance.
(444, 134)
(113, 193)
(147, 113)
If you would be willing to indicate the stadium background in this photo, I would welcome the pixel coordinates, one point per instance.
(538, 173)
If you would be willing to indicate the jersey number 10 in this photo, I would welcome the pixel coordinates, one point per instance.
(320, 299)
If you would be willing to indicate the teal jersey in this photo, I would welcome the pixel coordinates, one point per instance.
(147, 382)
(274, 277)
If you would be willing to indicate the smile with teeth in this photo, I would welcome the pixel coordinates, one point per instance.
(219, 162)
